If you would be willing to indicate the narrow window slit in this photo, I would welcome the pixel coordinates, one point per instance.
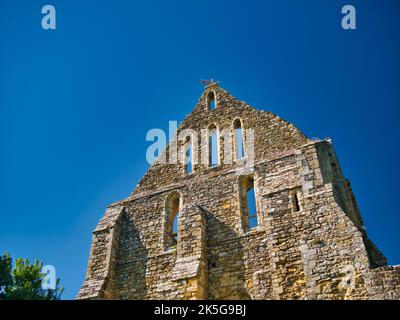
(172, 210)
(295, 201)
(238, 139)
(211, 101)
(248, 203)
(175, 230)
(213, 147)
(188, 154)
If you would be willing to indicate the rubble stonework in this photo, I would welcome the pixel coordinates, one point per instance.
(317, 248)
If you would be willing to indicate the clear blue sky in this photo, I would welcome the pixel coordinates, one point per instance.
(76, 103)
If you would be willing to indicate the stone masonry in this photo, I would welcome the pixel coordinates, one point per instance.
(310, 242)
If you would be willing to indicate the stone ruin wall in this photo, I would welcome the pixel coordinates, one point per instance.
(320, 251)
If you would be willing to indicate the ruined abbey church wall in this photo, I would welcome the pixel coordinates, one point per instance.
(310, 242)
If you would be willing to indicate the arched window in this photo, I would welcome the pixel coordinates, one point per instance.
(212, 146)
(238, 139)
(172, 210)
(211, 105)
(248, 202)
(188, 156)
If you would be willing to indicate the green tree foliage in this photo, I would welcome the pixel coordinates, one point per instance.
(23, 280)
